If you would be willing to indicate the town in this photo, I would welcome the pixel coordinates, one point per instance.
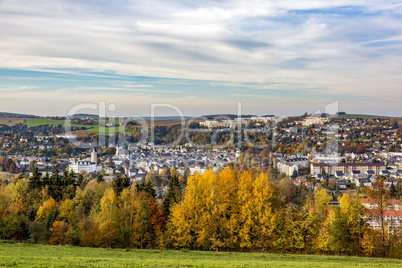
(307, 153)
(295, 146)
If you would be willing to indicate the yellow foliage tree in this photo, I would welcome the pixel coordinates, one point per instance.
(258, 203)
(128, 208)
(107, 219)
(319, 220)
(321, 202)
(348, 226)
(109, 233)
(194, 220)
(108, 205)
(67, 211)
(46, 207)
(226, 236)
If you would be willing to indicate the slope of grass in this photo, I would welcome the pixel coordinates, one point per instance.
(88, 128)
(95, 126)
(46, 121)
(28, 255)
(363, 116)
(43, 121)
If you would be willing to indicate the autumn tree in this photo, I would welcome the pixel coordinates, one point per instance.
(348, 226)
(296, 230)
(128, 208)
(187, 219)
(88, 232)
(143, 222)
(380, 195)
(320, 221)
(258, 204)
(107, 219)
(44, 210)
(227, 220)
(61, 233)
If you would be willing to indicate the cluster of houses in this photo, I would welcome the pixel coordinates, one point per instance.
(359, 174)
(392, 214)
(137, 163)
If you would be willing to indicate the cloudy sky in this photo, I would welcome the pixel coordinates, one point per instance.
(275, 56)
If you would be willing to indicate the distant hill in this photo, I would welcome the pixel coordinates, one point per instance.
(86, 115)
(162, 117)
(4, 114)
(230, 116)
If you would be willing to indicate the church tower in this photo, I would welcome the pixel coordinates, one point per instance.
(94, 156)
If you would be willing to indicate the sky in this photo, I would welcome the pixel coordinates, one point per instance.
(277, 57)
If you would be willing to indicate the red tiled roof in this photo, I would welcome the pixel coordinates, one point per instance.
(372, 201)
(374, 212)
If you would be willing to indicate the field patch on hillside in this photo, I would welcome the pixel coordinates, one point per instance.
(362, 116)
(11, 121)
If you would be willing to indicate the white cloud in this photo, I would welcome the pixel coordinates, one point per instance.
(279, 45)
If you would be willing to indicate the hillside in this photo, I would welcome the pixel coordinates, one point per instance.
(362, 116)
(5, 114)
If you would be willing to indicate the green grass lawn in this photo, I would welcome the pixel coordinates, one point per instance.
(28, 255)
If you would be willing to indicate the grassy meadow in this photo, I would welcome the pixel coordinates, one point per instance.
(29, 255)
(89, 128)
(362, 116)
(95, 126)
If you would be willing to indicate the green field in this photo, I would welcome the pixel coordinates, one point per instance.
(95, 126)
(362, 116)
(46, 121)
(29, 255)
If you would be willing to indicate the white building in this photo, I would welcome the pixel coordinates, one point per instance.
(287, 168)
(314, 121)
(217, 124)
(299, 162)
(86, 166)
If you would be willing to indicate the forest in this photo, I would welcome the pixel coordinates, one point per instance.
(231, 210)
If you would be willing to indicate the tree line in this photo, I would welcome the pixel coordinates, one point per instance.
(231, 210)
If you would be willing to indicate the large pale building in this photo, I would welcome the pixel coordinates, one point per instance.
(331, 168)
(287, 168)
(86, 166)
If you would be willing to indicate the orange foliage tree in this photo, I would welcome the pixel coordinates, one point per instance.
(61, 233)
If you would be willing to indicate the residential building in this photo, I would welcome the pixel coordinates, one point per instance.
(317, 168)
